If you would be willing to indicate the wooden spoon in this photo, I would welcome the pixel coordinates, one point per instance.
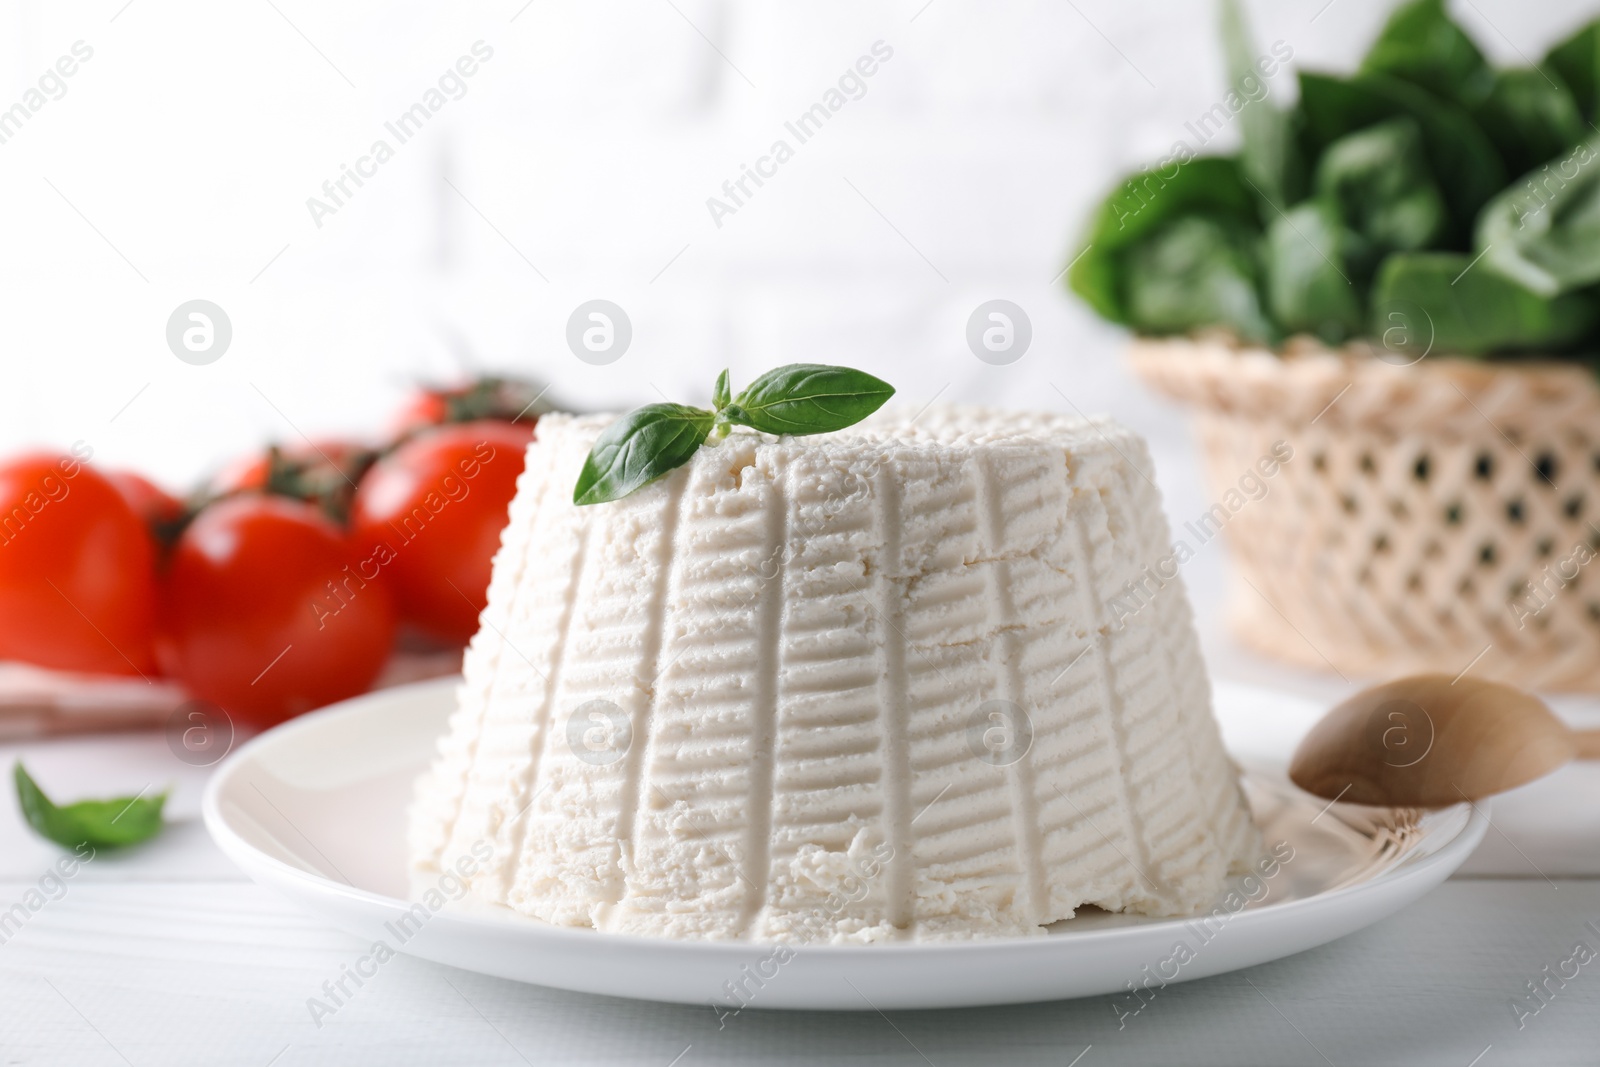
(1426, 742)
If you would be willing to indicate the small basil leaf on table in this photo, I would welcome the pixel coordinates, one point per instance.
(1378, 180)
(1270, 154)
(1196, 272)
(1576, 62)
(638, 448)
(1141, 205)
(1460, 156)
(1471, 309)
(1544, 232)
(1308, 287)
(100, 823)
(807, 398)
(1530, 116)
(1422, 45)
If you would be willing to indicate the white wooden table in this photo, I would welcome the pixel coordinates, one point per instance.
(167, 955)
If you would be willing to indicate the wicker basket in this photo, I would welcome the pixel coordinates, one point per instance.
(1432, 517)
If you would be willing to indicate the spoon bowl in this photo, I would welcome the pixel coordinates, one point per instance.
(1426, 741)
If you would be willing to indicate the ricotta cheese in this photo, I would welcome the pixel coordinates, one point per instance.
(911, 680)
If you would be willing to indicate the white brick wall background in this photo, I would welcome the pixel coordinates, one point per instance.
(179, 161)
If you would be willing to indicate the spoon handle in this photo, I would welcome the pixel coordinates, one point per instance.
(1588, 742)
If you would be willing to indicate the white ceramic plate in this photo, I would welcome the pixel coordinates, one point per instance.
(316, 810)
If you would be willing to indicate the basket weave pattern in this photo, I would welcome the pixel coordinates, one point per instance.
(1432, 517)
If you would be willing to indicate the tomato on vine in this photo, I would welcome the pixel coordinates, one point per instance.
(267, 613)
(437, 505)
(77, 580)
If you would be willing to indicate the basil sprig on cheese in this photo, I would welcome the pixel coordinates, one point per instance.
(801, 398)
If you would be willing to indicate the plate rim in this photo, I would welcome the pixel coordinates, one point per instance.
(251, 859)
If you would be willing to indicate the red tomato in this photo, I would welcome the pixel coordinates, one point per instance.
(245, 472)
(486, 398)
(77, 582)
(149, 501)
(430, 514)
(267, 613)
(425, 408)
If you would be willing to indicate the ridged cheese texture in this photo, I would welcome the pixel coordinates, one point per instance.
(860, 687)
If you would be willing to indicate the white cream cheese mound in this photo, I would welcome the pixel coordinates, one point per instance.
(881, 684)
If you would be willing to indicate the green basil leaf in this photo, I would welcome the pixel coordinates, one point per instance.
(638, 448)
(1544, 231)
(1270, 154)
(99, 823)
(1378, 180)
(1531, 116)
(1576, 61)
(807, 398)
(1471, 310)
(1420, 44)
(1143, 204)
(1308, 285)
(1196, 272)
(1460, 155)
(721, 393)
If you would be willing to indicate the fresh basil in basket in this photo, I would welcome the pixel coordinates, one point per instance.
(801, 398)
(1427, 180)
